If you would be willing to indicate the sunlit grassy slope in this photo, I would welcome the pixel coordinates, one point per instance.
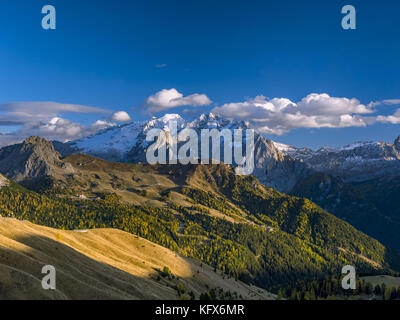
(102, 264)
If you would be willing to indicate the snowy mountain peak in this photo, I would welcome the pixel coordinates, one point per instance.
(210, 121)
(170, 117)
(128, 142)
(284, 147)
(209, 116)
(166, 122)
(357, 161)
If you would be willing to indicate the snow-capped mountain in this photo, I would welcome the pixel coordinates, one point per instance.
(122, 143)
(127, 143)
(276, 165)
(116, 143)
(358, 161)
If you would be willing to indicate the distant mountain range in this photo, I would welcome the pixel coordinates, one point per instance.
(277, 165)
(127, 143)
(356, 162)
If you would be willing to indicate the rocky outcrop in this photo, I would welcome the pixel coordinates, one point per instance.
(35, 157)
(274, 169)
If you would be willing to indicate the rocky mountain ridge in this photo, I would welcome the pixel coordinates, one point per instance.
(356, 162)
(35, 157)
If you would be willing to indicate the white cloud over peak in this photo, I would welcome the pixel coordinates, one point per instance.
(280, 115)
(171, 98)
(120, 116)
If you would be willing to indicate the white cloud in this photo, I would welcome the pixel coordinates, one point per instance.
(323, 104)
(280, 115)
(171, 98)
(60, 129)
(18, 113)
(101, 124)
(161, 65)
(120, 116)
(388, 102)
(393, 119)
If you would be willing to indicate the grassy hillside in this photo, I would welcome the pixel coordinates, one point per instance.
(208, 213)
(104, 264)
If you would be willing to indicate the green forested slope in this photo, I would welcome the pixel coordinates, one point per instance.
(263, 236)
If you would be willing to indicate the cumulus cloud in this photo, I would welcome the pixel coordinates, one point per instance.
(323, 104)
(280, 115)
(171, 98)
(120, 116)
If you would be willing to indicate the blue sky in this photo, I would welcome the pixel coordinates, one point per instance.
(114, 55)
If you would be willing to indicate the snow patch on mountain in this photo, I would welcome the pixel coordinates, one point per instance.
(284, 147)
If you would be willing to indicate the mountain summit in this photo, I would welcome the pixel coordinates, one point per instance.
(127, 143)
(35, 157)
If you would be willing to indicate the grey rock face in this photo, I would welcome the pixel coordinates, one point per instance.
(33, 158)
(274, 169)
